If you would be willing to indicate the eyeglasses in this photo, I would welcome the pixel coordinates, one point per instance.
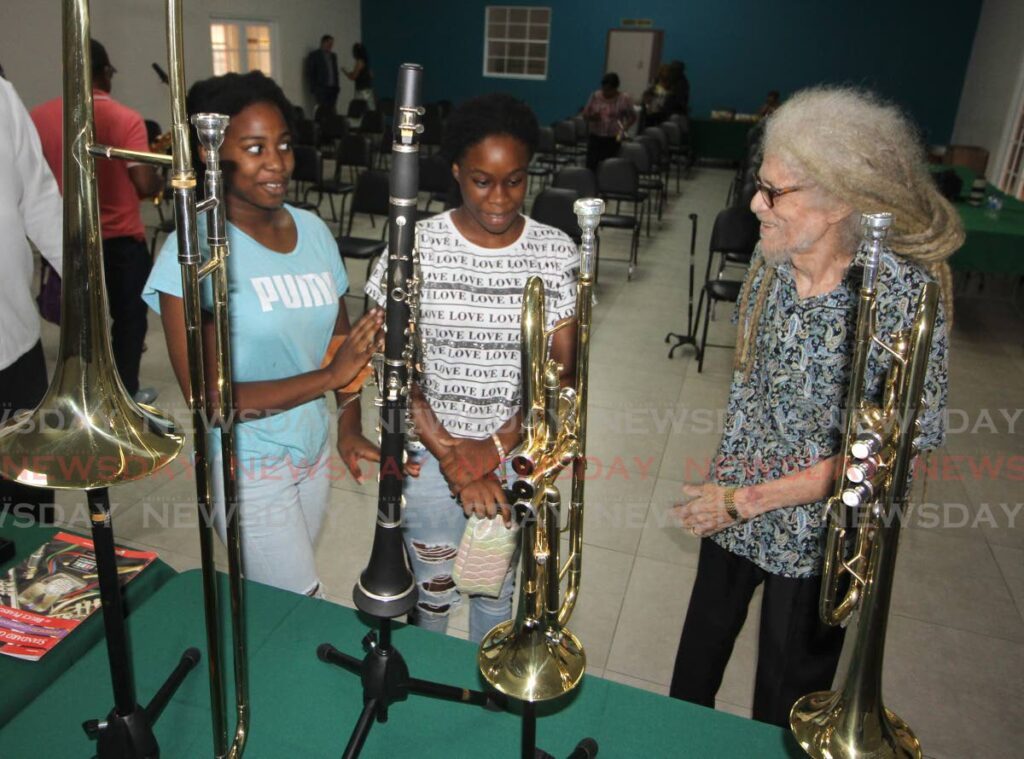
(770, 193)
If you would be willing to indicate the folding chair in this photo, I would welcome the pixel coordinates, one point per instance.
(370, 197)
(617, 180)
(735, 233)
(554, 206)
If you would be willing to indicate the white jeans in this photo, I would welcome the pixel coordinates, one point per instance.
(281, 509)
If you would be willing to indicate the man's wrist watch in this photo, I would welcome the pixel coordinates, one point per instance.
(730, 506)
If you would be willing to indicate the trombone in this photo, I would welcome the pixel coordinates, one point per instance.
(852, 722)
(87, 433)
(535, 657)
(210, 128)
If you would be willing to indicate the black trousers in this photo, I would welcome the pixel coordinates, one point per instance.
(22, 385)
(126, 265)
(796, 653)
(599, 148)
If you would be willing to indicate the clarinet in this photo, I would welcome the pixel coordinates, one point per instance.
(386, 588)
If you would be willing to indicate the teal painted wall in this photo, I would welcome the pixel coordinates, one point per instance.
(913, 51)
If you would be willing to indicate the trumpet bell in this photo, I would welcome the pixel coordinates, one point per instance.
(826, 727)
(532, 664)
(87, 432)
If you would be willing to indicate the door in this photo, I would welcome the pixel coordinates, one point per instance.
(634, 54)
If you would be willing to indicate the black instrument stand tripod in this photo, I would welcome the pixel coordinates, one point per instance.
(127, 732)
(585, 749)
(386, 679)
(690, 338)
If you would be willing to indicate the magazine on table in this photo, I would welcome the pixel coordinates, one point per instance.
(48, 594)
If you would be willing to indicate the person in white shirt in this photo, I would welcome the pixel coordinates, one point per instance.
(30, 209)
(474, 262)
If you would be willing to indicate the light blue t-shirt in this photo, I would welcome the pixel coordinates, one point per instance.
(282, 309)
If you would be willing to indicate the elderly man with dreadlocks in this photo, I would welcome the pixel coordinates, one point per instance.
(830, 154)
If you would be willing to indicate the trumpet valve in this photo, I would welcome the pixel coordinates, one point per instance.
(866, 444)
(524, 489)
(862, 471)
(523, 465)
(859, 495)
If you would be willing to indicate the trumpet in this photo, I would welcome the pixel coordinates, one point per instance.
(878, 449)
(535, 657)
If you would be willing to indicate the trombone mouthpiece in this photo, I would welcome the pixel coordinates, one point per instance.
(210, 127)
(876, 225)
(588, 212)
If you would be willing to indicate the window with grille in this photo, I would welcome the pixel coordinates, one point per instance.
(516, 41)
(241, 46)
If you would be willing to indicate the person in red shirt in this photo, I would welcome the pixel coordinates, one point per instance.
(121, 185)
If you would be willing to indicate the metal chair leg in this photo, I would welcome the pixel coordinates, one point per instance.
(704, 337)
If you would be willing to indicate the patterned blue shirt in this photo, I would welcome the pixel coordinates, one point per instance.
(789, 414)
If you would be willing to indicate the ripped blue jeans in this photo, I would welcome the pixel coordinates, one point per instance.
(432, 527)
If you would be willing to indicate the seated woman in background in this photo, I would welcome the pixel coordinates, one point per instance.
(286, 283)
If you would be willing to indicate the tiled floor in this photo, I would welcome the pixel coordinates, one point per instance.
(955, 659)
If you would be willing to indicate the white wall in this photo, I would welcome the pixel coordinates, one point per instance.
(133, 31)
(993, 78)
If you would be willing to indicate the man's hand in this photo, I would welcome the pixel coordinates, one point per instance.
(705, 514)
(485, 498)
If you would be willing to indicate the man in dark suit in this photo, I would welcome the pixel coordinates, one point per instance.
(322, 72)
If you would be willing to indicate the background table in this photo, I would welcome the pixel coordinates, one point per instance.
(995, 239)
(21, 681)
(719, 140)
(302, 707)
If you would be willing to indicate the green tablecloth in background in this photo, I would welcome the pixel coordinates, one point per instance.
(719, 140)
(21, 681)
(995, 239)
(303, 708)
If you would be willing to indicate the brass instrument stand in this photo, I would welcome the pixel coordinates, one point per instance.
(127, 732)
(585, 749)
(690, 338)
(385, 678)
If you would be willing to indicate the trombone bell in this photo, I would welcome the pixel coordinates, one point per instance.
(87, 433)
(536, 664)
(824, 725)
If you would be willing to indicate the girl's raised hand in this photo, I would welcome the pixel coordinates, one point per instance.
(366, 338)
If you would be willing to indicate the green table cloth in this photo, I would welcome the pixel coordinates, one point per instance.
(995, 239)
(302, 707)
(719, 140)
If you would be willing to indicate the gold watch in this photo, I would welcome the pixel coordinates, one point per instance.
(730, 506)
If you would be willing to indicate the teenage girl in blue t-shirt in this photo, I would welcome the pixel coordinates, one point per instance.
(286, 282)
